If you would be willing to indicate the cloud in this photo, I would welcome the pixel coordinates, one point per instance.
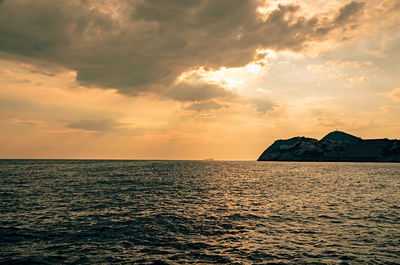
(358, 79)
(143, 46)
(349, 64)
(29, 123)
(393, 94)
(349, 12)
(186, 91)
(15, 77)
(35, 69)
(318, 68)
(204, 106)
(263, 105)
(95, 125)
(342, 70)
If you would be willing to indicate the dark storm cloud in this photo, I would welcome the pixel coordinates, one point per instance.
(150, 43)
(349, 11)
(95, 125)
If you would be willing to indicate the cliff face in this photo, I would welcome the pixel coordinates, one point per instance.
(335, 146)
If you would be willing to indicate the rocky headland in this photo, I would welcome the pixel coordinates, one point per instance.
(335, 146)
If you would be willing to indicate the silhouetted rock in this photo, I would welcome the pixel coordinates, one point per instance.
(341, 136)
(335, 146)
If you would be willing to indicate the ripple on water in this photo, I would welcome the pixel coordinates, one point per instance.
(197, 212)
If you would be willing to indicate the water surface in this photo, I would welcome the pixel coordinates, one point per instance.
(198, 212)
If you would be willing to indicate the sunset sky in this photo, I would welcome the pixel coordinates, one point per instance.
(193, 79)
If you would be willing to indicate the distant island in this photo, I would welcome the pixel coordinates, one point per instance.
(335, 146)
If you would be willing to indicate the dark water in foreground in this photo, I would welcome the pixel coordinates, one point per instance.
(195, 212)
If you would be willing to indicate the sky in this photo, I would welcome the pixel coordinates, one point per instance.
(193, 79)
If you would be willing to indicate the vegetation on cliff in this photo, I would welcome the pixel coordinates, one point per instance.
(335, 146)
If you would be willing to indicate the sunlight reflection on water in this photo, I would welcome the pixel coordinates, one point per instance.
(188, 212)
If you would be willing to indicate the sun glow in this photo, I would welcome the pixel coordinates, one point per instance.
(193, 79)
(232, 77)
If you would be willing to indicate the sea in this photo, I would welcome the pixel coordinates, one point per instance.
(198, 212)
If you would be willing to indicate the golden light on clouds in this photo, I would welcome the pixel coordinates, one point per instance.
(193, 80)
(231, 78)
